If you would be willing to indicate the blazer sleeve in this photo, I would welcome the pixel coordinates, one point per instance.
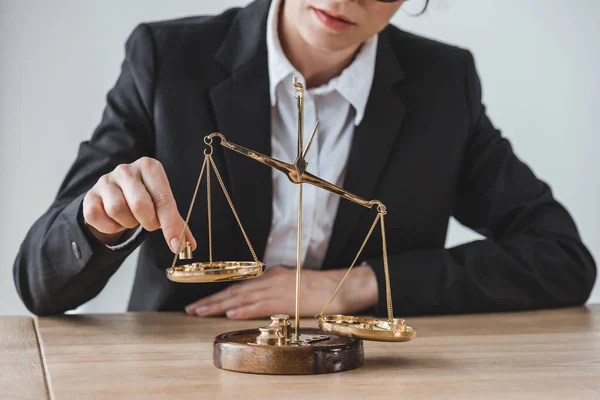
(532, 256)
(60, 264)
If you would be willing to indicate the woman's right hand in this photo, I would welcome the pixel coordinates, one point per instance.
(134, 194)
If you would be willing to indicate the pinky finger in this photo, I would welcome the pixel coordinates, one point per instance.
(96, 217)
(259, 309)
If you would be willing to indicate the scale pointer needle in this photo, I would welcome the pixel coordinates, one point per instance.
(312, 136)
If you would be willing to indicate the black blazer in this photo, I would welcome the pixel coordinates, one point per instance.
(425, 148)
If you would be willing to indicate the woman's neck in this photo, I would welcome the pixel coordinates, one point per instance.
(318, 67)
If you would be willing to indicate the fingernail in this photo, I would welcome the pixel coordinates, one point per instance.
(189, 311)
(201, 310)
(231, 313)
(174, 245)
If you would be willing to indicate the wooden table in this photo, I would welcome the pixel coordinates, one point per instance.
(546, 354)
(21, 369)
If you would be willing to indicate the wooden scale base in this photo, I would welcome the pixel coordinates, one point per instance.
(238, 351)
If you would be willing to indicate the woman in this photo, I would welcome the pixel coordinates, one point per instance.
(401, 121)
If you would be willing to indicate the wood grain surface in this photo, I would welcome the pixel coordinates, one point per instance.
(21, 371)
(545, 354)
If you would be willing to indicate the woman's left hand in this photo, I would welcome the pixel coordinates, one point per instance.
(275, 293)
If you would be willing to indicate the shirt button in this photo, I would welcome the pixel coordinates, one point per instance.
(76, 250)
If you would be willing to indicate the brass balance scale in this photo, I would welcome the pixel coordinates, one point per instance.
(276, 348)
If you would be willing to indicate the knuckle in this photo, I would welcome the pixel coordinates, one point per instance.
(143, 210)
(115, 207)
(232, 290)
(124, 170)
(152, 226)
(104, 179)
(149, 163)
(145, 161)
(92, 211)
(140, 205)
(129, 223)
(246, 298)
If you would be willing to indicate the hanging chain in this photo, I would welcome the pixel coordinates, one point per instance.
(187, 218)
(386, 269)
(208, 205)
(208, 162)
(351, 266)
(381, 211)
(237, 218)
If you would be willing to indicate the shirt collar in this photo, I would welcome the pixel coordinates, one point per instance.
(354, 83)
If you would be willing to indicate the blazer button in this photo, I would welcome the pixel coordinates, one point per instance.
(76, 250)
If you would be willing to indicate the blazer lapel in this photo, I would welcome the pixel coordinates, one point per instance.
(243, 114)
(371, 148)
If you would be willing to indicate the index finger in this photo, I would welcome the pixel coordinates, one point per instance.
(156, 182)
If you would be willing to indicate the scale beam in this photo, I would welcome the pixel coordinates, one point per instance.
(290, 171)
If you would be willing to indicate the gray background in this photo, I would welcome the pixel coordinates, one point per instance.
(539, 61)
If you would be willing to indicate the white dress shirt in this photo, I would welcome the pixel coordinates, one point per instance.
(339, 106)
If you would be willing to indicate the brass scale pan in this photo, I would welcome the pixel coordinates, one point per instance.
(217, 271)
(366, 328)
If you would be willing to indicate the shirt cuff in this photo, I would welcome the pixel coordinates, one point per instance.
(128, 238)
